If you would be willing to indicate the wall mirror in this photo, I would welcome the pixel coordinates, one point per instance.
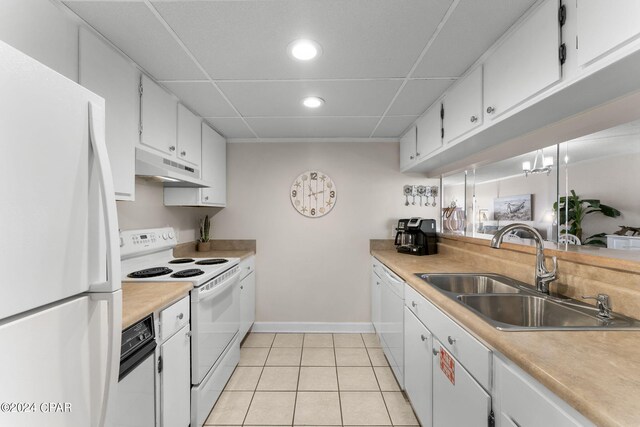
(582, 192)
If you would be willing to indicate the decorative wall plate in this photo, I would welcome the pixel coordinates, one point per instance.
(313, 194)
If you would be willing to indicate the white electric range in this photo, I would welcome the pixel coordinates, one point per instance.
(147, 256)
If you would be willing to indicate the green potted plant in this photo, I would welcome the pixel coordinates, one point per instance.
(573, 211)
(204, 243)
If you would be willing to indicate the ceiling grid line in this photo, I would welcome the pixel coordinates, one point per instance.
(435, 34)
(173, 34)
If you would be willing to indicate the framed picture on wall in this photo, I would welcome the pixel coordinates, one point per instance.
(513, 208)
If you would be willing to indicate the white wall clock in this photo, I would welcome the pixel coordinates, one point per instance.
(313, 194)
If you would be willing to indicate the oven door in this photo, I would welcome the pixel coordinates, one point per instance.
(215, 321)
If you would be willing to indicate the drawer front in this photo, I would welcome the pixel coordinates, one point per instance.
(247, 266)
(471, 353)
(523, 402)
(173, 318)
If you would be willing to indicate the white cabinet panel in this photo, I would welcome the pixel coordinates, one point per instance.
(173, 318)
(108, 74)
(408, 148)
(463, 106)
(214, 167)
(175, 391)
(526, 63)
(247, 303)
(418, 344)
(604, 25)
(189, 136)
(523, 402)
(392, 325)
(461, 402)
(159, 116)
(376, 287)
(429, 132)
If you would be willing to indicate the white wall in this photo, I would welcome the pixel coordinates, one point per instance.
(43, 31)
(314, 270)
(149, 211)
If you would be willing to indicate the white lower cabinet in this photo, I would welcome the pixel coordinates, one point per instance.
(522, 401)
(458, 400)
(418, 343)
(392, 323)
(175, 380)
(174, 365)
(247, 295)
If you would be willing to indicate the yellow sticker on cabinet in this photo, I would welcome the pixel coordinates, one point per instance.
(448, 365)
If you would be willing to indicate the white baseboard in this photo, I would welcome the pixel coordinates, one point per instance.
(327, 327)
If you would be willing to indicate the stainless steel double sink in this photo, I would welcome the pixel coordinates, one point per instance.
(510, 305)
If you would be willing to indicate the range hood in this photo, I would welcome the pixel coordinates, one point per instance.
(167, 170)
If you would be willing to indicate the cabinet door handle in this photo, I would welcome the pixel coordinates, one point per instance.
(423, 338)
(435, 352)
(474, 119)
(241, 287)
(180, 316)
(206, 197)
(451, 340)
(417, 154)
(188, 334)
(183, 153)
(491, 110)
(172, 148)
(413, 304)
(378, 283)
(411, 157)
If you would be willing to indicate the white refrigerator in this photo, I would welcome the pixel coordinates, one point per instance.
(60, 296)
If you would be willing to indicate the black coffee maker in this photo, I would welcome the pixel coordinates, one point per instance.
(416, 236)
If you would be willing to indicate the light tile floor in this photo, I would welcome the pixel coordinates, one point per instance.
(312, 380)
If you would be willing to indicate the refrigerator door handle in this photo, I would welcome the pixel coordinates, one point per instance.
(114, 303)
(98, 143)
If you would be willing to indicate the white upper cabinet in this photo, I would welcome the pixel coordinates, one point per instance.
(158, 113)
(463, 106)
(214, 167)
(604, 25)
(429, 136)
(107, 73)
(214, 173)
(189, 136)
(526, 63)
(408, 148)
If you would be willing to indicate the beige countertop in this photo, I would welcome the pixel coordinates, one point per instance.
(598, 373)
(143, 298)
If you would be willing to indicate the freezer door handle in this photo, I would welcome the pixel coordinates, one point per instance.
(98, 143)
(112, 371)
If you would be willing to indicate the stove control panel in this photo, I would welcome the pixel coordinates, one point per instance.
(139, 242)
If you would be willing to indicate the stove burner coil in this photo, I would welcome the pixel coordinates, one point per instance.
(191, 272)
(150, 272)
(181, 261)
(212, 261)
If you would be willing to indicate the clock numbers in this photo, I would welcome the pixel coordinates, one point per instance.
(294, 193)
(313, 211)
(314, 175)
(332, 194)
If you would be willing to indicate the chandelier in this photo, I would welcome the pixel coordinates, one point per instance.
(541, 164)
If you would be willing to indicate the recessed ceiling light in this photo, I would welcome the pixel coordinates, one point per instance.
(304, 50)
(312, 102)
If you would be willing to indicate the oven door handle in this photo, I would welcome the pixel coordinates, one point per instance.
(202, 294)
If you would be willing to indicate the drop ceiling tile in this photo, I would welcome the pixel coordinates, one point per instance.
(359, 38)
(342, 98)
(137, 32)
(472, 28)
(201, 97)
(394, 126)
(313, 127)
(417, 95)
(230, 127)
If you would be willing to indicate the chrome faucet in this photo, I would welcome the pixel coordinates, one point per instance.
(543, 276)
